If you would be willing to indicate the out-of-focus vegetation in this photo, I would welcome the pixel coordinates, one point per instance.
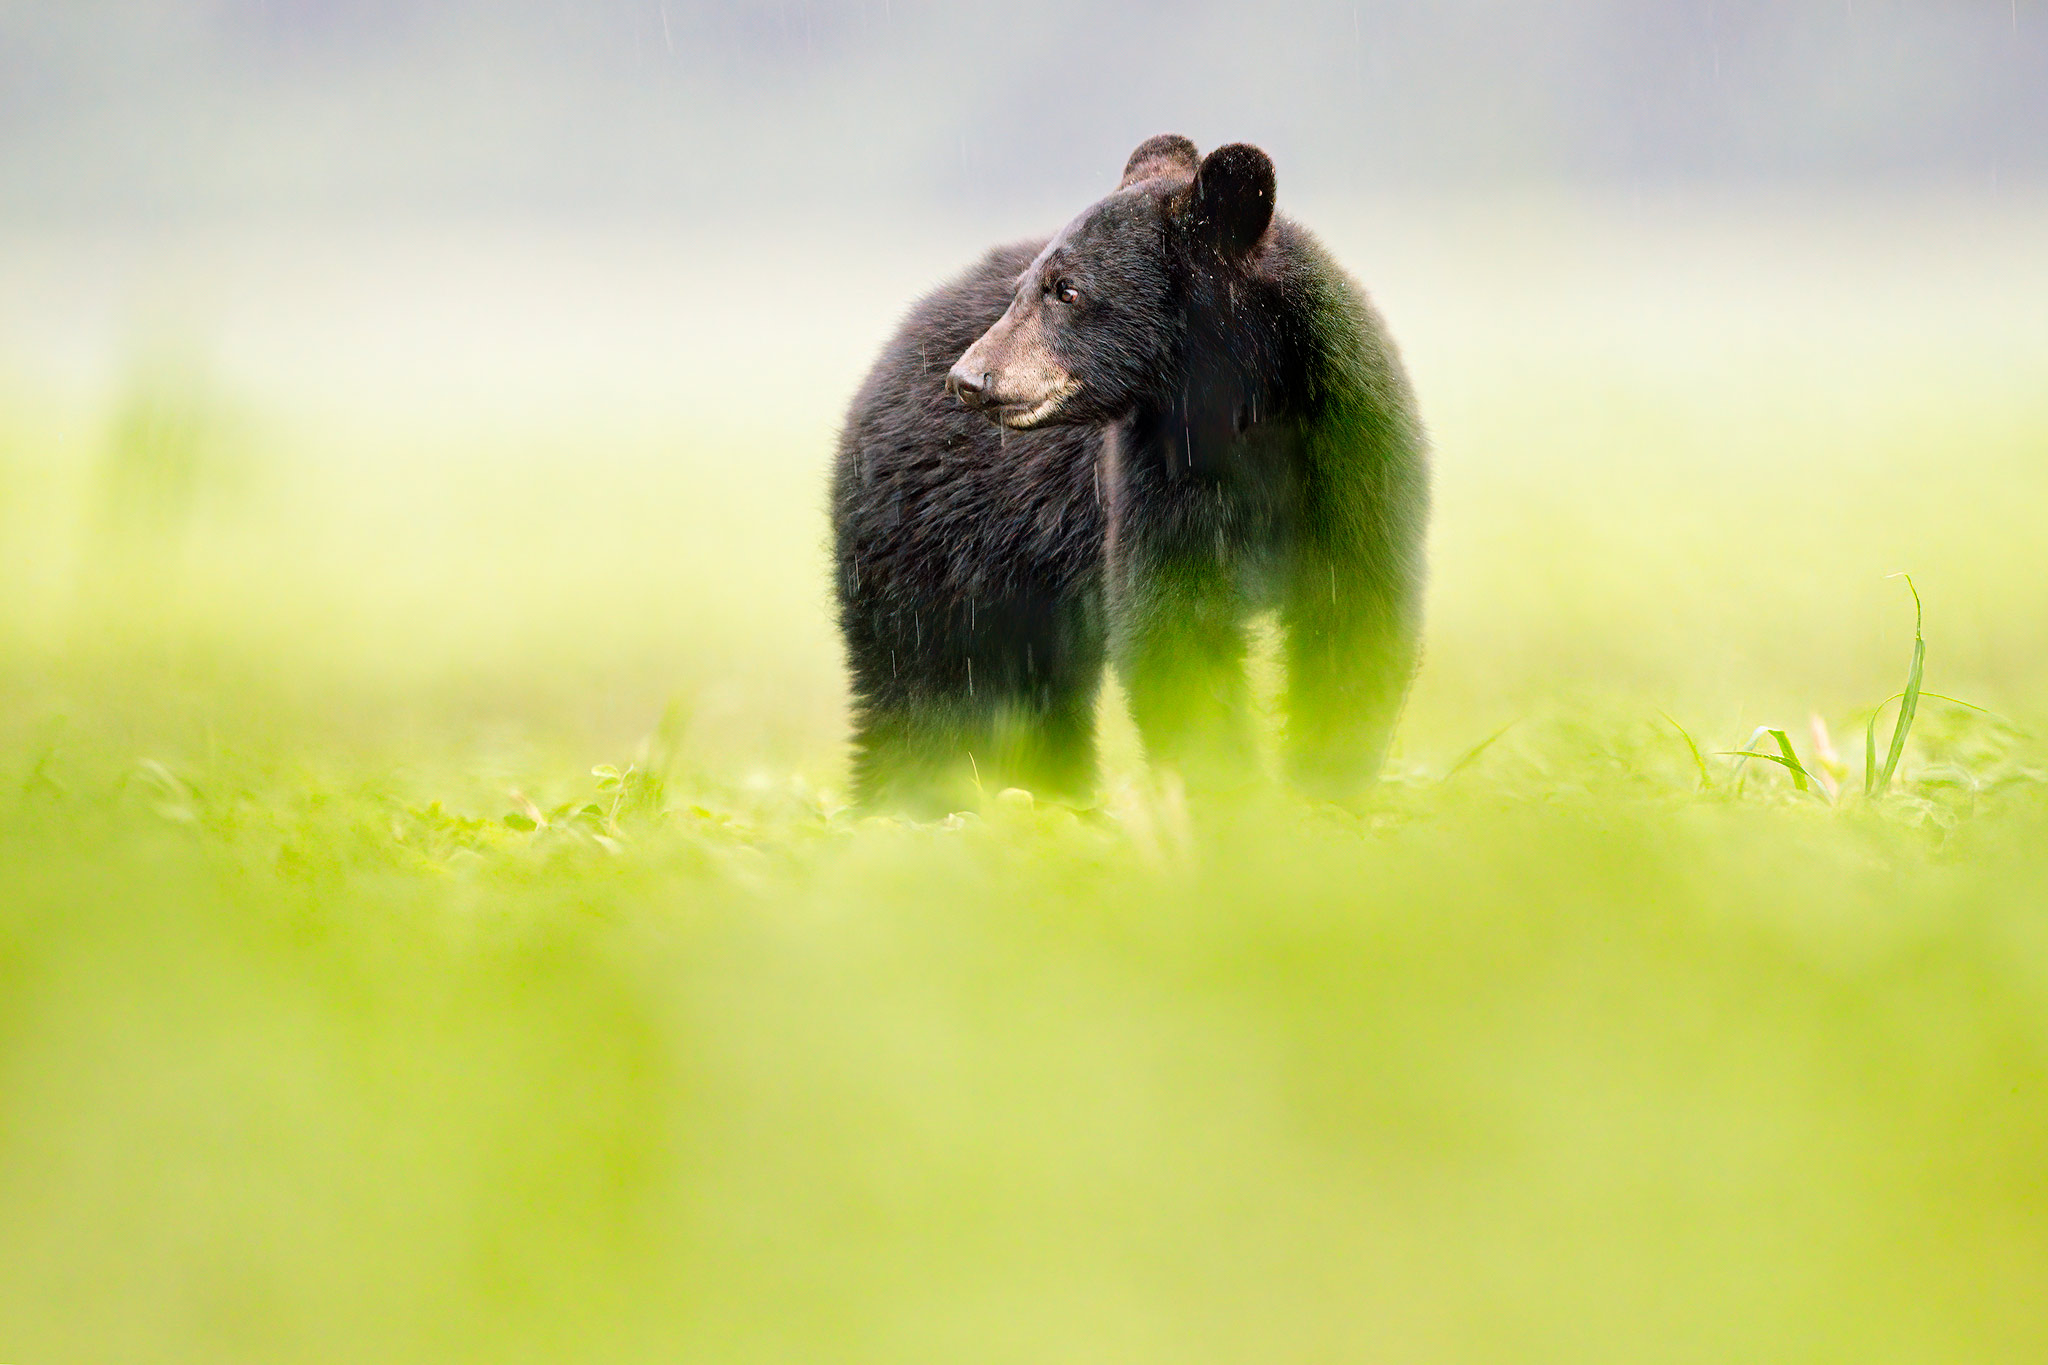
(428, 930)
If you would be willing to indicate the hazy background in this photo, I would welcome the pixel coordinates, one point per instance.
(500, 333)
(744, 114)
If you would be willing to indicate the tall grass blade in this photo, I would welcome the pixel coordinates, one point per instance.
(1870, 730)
(1909, 707)
(1909, 704)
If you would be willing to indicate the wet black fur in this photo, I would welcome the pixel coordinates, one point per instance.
(1243, 439)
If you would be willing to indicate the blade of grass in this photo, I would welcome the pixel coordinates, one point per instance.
(1778, 759)
(1747, 751)
(1799, 774)
(1925, 695)
(1870, 731)
(1784, 758)
(1472, 754)
(1909, 706)
(1699, 759)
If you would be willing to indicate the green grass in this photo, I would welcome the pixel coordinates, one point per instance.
(430, 928)
(1562, 1058)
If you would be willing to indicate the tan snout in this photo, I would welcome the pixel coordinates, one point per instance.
(1009, 374)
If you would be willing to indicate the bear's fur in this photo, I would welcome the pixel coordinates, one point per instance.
(1118, 444)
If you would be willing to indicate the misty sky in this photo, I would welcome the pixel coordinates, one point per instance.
(116, 111)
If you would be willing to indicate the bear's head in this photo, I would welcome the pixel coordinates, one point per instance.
(1094, 325)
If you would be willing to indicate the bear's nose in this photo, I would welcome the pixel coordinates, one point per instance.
(969, 386)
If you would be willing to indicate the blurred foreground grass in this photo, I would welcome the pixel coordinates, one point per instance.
(311, 1062)
(428, 930)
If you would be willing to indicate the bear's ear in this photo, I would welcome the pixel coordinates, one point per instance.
(1232, 199)
(1167, 154)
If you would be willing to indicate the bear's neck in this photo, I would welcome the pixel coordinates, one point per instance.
(1221, 395)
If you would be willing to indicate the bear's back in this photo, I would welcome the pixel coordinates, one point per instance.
(1340, 353)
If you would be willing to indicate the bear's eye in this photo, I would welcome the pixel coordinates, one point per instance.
(1066, 293)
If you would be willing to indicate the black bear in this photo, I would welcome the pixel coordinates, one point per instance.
(1118, 445)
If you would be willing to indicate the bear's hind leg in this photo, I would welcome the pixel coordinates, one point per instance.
(1350, 651)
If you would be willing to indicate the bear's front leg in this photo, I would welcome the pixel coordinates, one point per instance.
(916, 759)
(955, 705)
(943, 754)
(1178, 640)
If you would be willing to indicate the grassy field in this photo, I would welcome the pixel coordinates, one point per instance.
(430, 928)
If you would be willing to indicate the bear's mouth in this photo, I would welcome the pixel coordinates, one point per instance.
(1023, 416)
